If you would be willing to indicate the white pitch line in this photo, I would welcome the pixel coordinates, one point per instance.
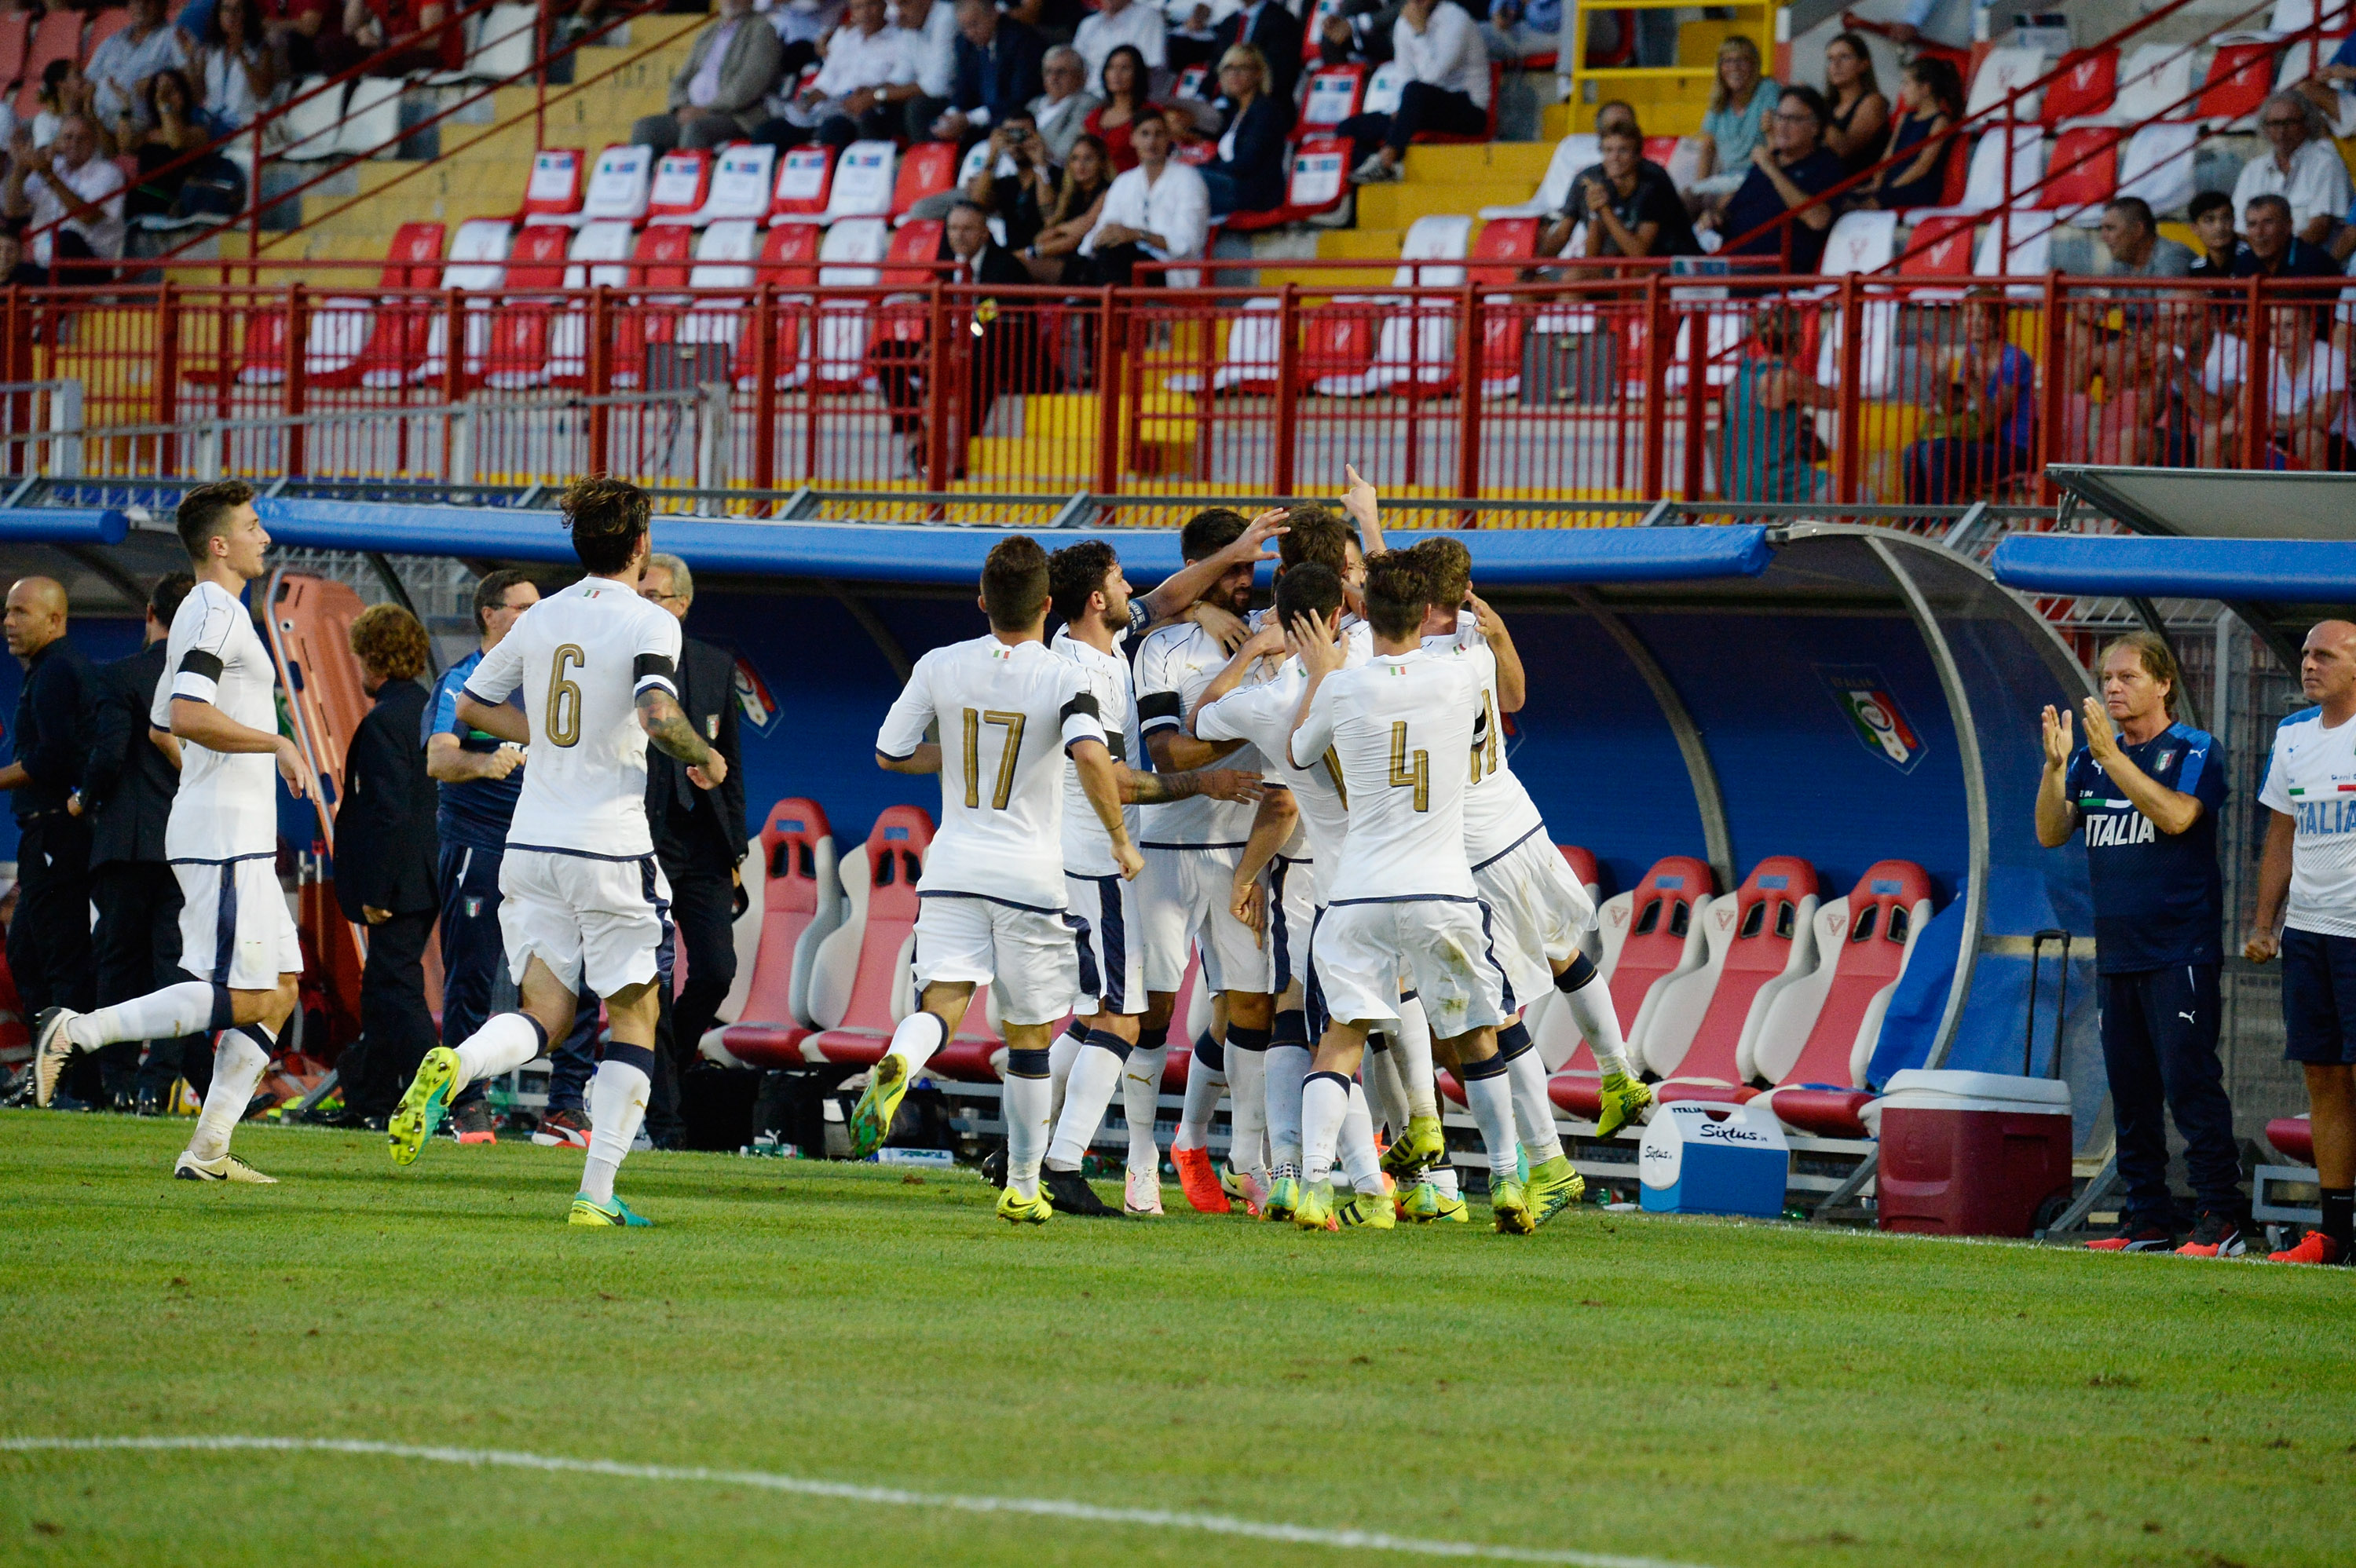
(892, 1496)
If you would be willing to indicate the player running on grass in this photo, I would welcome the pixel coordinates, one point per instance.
(582, 901)
(218, 696)
(994, 908)
(1403, 727)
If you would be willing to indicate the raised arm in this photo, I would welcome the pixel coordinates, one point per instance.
(1358, 500)
(1513, 684)
(1190, 581)
(2172, 810)
(2057, 815)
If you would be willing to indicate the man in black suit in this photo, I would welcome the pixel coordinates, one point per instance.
(386, 852)
(997, 71)
(1002, 350)
(126, 795)
(699, 839)
(49, 939)
(1276, 31)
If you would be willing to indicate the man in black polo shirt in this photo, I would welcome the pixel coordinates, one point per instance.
(2147, 793)
(49, 940)
(2273, 249)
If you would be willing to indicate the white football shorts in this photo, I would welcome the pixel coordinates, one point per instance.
(1029, 958)
(1182, 901)
(235, 930)
(1537, 912)
(1443, 944)
(1112, 959)
(595, 923)
(1292, 914)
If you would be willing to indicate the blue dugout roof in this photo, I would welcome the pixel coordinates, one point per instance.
(2281, 571)
(63, 524)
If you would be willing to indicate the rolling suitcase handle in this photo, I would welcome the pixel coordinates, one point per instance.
(2061, 1004)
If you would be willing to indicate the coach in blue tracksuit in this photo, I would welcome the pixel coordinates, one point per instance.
(2147, 793)
(481, 779)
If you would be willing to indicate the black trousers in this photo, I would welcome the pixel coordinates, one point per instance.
(702, 912)
(49, 940)
(135, 948)
(396, 1028)
(1422, 107)
(2160, 1048)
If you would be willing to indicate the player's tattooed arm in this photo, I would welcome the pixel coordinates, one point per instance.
(1161, 789)
(669, 728)
(1272, 826)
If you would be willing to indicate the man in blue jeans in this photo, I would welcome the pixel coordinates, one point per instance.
(480, 778)
(2146, 789)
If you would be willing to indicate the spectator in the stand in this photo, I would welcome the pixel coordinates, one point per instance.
(1735, 123)
(1929, 103)
(240, 76)
(1248, 176)
(1949, 23)
(1137, 23)
(1054, 255)
(2307, 389)
(1627, 203)
(49, 940)
(1003, 355)
(2271, 250)
(1124, 106)
(2211, 216)
(1192, 38)
(1158, 211)
(120, 67)
(68, 185)
(1446, 66)
(802, 26)
(935, 25)
(127, 788)
(309, 36)
(2135, 247)
(2332, 88)
(2301, 166)
(1062, 112)
(998, 62)
(423, 35)
(718, 94)
(869, 76)
(1018, 183)
(1768, 447)
(698, 837)
(1273, 27)
(175, 126)
(13, 269)
(1857, 130)
(64, 91)
(1985, 428)
(1517, 30)
(385, 855)
(2134, 362)
(1788, 170)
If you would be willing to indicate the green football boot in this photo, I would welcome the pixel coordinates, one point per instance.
(1510, 1202)
(1283, 1198)
(1624, 1101)
(428, 1100)
(1032, 1211)
(1315, 1209)
(1422, 1146)
(1368, 1211)
(871, 1119)
(587, 1211)
(1553, 1188)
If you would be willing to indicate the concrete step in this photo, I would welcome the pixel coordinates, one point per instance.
(1399, 206)
(1485, 161)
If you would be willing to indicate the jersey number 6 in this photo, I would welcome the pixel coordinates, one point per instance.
(564, 696)
(973, 723)
(1417, 777)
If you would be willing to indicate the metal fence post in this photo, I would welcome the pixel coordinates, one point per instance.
(1849, 433)
(458, 441)
(1468, 402)
(1287, 393)
(1695, 323)
(936, 392)
(454, 375)
(2256, 373)
(765, 390)
(713, 431)
(293, 360)
(1111, 353)
(167, 375)
(601, 378)
(1656, 387)
(2051, 403)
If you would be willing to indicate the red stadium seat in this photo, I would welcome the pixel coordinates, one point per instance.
(353, 342)
(103, 26)
(1315, 26)
(1336, 91)
(660, 264)
(56, 37)
(1316, 184)
(2240, 76)
(682, 181)
(2094, 150)
(801, 898)
(1863, 945)
(1939, 247)
(926, 170)
(2089, 80)
(16, 30)
(2294, 1138)
(805, 177)
(1649, 933)
(518, 352)
(859, 968)
(788, 260)
(554, 191)
(1759, 939)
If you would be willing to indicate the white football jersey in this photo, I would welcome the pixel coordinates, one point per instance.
(1498, 811)
(1175, 663)
(1263, 715)
(2311, 778)
(1087, 848)
(1007, 713)
(227, 807)
(1403, 727)
(582, 658)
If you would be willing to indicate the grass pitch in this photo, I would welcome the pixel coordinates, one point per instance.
(1684, 1391)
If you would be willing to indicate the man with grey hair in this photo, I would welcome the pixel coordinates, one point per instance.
(1062, 112)
(700, 840)
(2301, 166)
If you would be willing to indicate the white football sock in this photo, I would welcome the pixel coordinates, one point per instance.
(617, 1103)
(1024, 1106)
(1385, 1091)
(239, 1063)
(1591, 1010)
(1411, 1054)
(1141, 1103)
(1061, 1053)
(505, 1042)
(1324, 1102)
(1525, 1079)
(1492, 1103)
(167, 1014)
(1288, 1066)
(1360, 1160)
(919, 1035)
(1094, 1076)
(1204, 1083)
(1247, 1100)
(1443, 1176)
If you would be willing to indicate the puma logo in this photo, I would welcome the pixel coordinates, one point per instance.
(2187, 1017)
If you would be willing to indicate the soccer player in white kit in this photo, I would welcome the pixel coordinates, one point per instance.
(1402, 727)
(993, 905)
(235, 937)
(1088, 589)
(584, 903)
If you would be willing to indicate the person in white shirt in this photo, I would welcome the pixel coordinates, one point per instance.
(995, 912)
(1062, 112)
(1118, 22)
(1090, 1060)
(1402, 727)
(72, 196)
(119, 66)
(1436, 43)
(2307, 392)
(1159, 210)
(869, 72)
(218, 696)
(2307, 913)
(2301, 166)
(584, 904)
(933, 23)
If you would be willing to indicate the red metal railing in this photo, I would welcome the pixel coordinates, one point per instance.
(1857, 391)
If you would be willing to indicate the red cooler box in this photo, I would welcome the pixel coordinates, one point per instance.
(1972, 1154)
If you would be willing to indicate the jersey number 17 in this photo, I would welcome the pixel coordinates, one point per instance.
(974, 721)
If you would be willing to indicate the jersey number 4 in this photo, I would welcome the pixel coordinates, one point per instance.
(974, 721)
(563, 709)
(1416, 777)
